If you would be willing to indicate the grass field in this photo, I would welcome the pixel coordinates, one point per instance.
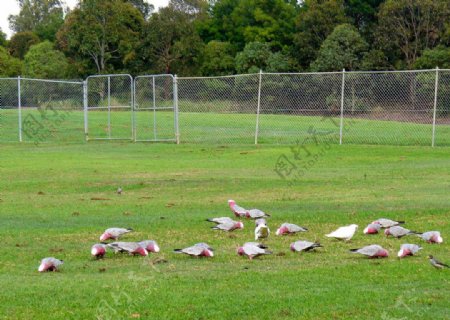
(213, 128)
(56, 200)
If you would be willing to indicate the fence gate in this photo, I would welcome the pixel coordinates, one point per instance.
(109, 107)
(155, 116)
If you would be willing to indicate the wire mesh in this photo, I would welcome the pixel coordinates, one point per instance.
(109, 107)
(9, 116)
(154, 108)
(442, 131)
(218, 109)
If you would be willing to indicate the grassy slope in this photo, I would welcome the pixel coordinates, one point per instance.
(186, 184)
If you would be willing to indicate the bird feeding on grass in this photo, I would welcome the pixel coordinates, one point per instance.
(431, 237)
(408, 249)
(197, 250)
(253, 249)
(343, 233)
(387, 223)
(119, 190)
(372, 228)
(50, 264)
(256, 214)
(299, 246)
(220, 220)
(114, 233)
(262, 231)
(398, 232)
(290, 228)
(436, 263)
(98, 250)
(229, 226)
(237, 210)
(149, 245)
(372, 251)
(133, 248)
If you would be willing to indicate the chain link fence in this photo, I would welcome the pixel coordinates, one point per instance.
(389, 108)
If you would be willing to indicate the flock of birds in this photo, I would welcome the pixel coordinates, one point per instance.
(262, 231)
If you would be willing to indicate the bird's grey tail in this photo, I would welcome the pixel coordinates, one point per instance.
(353, 250)
(177, 250)
(401, 222)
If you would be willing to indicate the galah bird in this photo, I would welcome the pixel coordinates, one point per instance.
(299, 246)
(408, 249)
(372, 228)
(114, 233)
(372, 251)
(261, 229)
(197, 250)
(149, 245)
(220, 220)
(131, 247)
(119, 190)
(256, 214)
(343, 233)
(436, 263)
(98, 250)
(387, 223)
(290, 228)
(229, 226)
(237, 210)
(398, 232)
(432, 237)
(252, 250)
(204, 245)
(50, 264)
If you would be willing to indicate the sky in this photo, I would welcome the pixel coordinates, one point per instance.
(8, 7)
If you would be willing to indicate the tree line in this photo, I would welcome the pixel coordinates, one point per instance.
(220, 37)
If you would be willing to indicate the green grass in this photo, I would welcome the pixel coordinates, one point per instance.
(214, 128)
(47, 209)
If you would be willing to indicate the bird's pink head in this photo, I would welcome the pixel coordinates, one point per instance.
(142, 251)
(152, 247)
(436, 238)
(43, 267)
(105, 236)
(281, 231)
(383, 253)
(293, 246)
(231, 203)
(403, 253)
(387, 232)
(370, 230)
(207, 253)
(98, 250)
(239, 225)
(240, 251)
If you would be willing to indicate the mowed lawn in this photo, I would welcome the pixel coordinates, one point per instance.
(56, 200)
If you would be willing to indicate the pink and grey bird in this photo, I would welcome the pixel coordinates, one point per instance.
(387, 223)
(372, 228)
(372, 251)
(149, 245)
(229, 226)
(432, 237)
(262, 231)
(220, 220)
(50, 264)
(198, 250)
(290, 228)
(299, 246)
(256, 214)
(398, 232)
(237, 210)
(436, 263)
(132, 248)
(343, 233)
(408, 249)
(253, 249)
(114, 233)
(98, 250)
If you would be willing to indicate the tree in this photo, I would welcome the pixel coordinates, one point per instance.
(432, 58)
(411, 26)
(170, 43)
(43, 61)
(363, 14)
(244, 21)
(344, 48)
(9, 66)
(315, 22)
(257, 56)
(2, 38)
(21, 42)
(104, 31)
(145, 8)
(43, 17)
(218, 59)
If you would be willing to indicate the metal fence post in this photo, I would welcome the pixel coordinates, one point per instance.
(436, 85)
(342, 107)
(258, 107)
(133, 110)
(19, 108)
(175, 106)
(85, 109)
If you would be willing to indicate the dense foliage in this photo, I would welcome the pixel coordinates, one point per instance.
(206, 37)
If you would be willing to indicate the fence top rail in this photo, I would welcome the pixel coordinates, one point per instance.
(110, 75)
(154, 76)
(219, 77)
(44, 80)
